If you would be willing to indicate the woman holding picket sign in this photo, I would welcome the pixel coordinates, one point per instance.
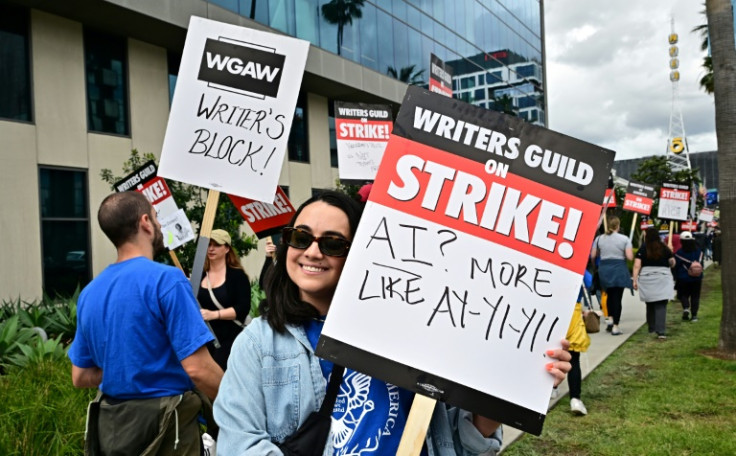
(689, 276)
(269, 397)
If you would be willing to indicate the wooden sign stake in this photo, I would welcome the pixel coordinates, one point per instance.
(417, 423)
(669, 240)
(205, 230)
(175, 259)
(633, 226)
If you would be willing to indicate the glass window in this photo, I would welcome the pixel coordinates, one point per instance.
(480, 94)
(467, 83)
(369, 38)
(231, 5)
(281, 15)
(494, 77)
(332, 133)
(107, 83)
(64, 230)
(298, 144)
(526, 71)
(15, 76)
(307, 27)
(173, 60)
(385, 42)
(527, 102)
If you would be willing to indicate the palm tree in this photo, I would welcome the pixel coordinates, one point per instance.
(407, 74)
(723, 52)
(706, 82)
(504, 104)
(341, 13)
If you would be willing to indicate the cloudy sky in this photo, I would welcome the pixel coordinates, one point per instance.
(608, 74)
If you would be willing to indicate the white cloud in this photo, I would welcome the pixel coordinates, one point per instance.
(608, 74)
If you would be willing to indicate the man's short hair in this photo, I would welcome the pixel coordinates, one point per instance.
(120, 214)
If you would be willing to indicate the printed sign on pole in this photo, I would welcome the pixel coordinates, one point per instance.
(468, 258)
(646, 222)
(440, 76)
(674, 200)
(639, 198)
(690, 225)
(233, 108)
(176, 229)
(145, 180)
(362, 133)
(265, 219)
(609, 199)
(706, 215)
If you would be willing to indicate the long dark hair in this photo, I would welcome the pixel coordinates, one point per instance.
(282, 304)
(689, 245)
(654, 245)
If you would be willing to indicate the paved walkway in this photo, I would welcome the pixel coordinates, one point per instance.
(602, 344)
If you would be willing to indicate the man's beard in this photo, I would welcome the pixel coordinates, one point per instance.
(158, 242)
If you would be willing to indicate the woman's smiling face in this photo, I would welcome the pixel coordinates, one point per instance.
(313, 272)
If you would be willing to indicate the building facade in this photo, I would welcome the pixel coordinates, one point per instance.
(705, 162)
(84, 82)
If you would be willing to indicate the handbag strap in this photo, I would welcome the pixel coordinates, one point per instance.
(332, 388)
(217, 303)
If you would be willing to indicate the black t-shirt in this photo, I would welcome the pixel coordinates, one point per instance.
(663, 261)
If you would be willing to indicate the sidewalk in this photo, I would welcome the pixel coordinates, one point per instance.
(602, 344)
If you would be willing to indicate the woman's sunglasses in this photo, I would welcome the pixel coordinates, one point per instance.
(329, 245)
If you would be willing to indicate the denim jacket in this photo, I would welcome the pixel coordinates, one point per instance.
(274, 381)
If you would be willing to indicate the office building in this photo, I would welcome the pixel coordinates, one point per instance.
(83, 82)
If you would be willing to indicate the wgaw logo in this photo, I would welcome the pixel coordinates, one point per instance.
(242, 67)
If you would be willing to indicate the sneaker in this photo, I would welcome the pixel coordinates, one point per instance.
(694, 319)
(554, 394)
(662, 337)
(577, 407)
(686, 314)
(615, 331)
(609, 327)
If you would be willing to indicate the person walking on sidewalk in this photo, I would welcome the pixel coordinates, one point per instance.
(653, 279)
(614, 249)
(688, 286)
(579, 343)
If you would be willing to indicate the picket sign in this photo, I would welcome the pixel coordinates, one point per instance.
(606, 202)
(205, 230)
(417, 423)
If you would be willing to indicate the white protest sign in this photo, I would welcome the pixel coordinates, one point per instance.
(674, 200)
(706, 215)
(362, 132)
(176, 229)
(233, 108)
(468, 258)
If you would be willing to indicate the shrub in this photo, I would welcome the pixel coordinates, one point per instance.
(42, 413)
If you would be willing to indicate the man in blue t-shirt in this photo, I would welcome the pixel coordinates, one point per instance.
(141, 340)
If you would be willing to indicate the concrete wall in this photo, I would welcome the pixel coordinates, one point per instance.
(58, 136)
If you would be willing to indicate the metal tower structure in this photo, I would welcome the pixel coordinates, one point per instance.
(678, 155)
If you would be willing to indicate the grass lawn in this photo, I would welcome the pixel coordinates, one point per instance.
(652, 397)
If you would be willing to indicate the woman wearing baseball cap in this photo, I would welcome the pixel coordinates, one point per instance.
(224, 294)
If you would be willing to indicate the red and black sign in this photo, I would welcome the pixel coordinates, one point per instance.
(137, 178)
(362, 122)
(639, 198)
(690, 225)
(609, 200)
(496, 184)
(440, 76)
(265, 219)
